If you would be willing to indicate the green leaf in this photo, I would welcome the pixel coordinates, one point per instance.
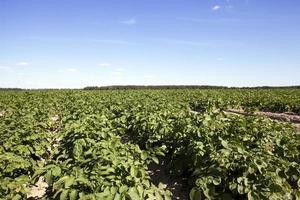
(117, 196)
(133, 194)
(217, 181)
(64, 195)
(144, 155)
(113, 190)
(195, 194)
(140, 190)
(77, 150)
(253, 196)
(69, 181)
(17, 197)
(73, 194)
(275, 188)
(48, 177)
(58, 184)
(56, 171)
(162, 186)
(224, 143)
(155, 159)
(133, 171)
(123, 188)
(297, 195)
(37, 173)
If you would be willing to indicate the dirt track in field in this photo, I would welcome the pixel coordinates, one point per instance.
(286, 117)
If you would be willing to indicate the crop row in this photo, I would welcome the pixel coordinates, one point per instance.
(98, 145)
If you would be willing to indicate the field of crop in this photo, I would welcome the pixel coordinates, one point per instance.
(149, 144)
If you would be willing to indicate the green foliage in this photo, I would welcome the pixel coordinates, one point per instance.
(98, 145)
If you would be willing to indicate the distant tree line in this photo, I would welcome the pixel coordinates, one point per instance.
(271, 87)
(16, 89)
(137, 87)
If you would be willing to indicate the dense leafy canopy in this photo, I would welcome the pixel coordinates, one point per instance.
(99, 144)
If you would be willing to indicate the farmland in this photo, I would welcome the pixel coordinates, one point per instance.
(75, 144)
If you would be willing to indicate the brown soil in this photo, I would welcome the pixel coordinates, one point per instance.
(177, 185)
(39, 190)
(298, 128)
(286, 117)
(54, 118)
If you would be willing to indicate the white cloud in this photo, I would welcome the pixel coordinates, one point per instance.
(68, 70)
(120, 69)
(22, 63)
(72, 70)
(149, 76)
(21, 74)
(227, 21)
(104, 64)
(6, 69)
(216, 7)
(131, 21)
(118, 72)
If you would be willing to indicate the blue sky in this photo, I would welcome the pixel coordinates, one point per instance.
(77, 43)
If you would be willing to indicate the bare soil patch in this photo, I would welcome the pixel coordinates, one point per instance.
(286, 117)
(177, 185)
(54, 118)
(39, 190)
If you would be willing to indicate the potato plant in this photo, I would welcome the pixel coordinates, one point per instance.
(100, 144)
